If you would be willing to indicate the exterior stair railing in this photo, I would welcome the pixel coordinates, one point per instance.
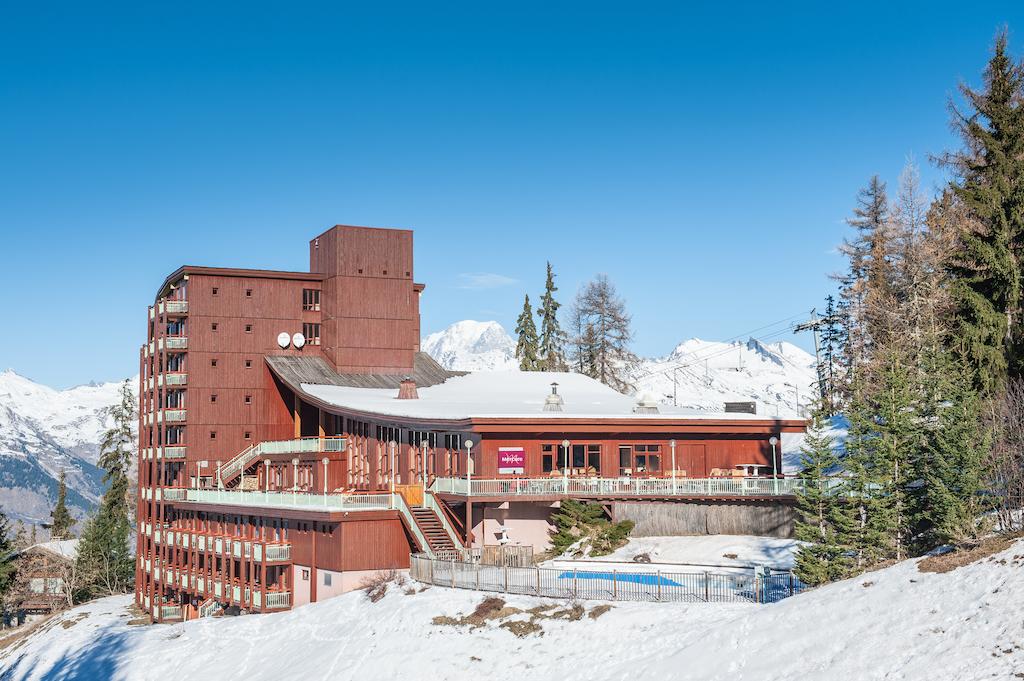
(306, 445)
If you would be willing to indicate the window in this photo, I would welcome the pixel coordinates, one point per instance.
(213, 362)
(248, 435)
(213, 326)
(248, 328)
(360, 270)
(327, 579)
(213, 434)
(215, 290)
(248, 364)
(311, 299)
(312, 333)
(385, 273)
(248, 293)
(305, 575)
(547, 458)
(213, 397)
(248, 399)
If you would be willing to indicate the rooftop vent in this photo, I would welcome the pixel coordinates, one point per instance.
(554, 401)
(646, 404)
(741, 407)
(407, 389)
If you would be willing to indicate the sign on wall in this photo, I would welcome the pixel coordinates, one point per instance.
(511, 460)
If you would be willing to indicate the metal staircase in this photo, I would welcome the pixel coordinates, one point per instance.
(252, 454)
(430, 525)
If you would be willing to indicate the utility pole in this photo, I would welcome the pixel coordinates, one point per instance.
(675, 385)
(813, 324)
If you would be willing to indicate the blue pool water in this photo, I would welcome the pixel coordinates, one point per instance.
(633, 577)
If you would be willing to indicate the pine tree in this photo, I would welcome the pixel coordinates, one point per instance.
(602, 351)
(8, 566)
(61, 520)
(104, 559)
(986, 266)
(820, 558)
(551, 352)
(527, 344)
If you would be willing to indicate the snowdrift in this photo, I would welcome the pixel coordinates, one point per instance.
(897, 623)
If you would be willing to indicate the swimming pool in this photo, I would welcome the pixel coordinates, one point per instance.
(646, 578)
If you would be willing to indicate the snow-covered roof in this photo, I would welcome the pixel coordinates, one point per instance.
(65, 548)
(504, 394)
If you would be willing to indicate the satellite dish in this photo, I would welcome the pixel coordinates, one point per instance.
(298, 340)
(283, 339)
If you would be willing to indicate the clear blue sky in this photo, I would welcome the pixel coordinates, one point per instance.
(704, 158)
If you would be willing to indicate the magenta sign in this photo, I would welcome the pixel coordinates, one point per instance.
(511, 460)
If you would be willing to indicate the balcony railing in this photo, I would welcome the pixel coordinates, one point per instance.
(326, 502)
(173, 343)
(278, 600)
(173, 451)
(174, 494)
(174, 415)
(174, 306)
(175, 378)
(620, 487)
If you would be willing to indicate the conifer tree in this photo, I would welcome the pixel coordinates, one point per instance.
(104, 559)
(820, 558)
(602, 351)
(986, 266)
(527, 343)
(551, 353)
(8, 566)
(61, 520)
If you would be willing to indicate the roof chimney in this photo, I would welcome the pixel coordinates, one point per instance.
(407, 389)
(646, 405)
(553, 402)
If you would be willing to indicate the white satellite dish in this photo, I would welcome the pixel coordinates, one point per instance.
(283, 339)
(298, 340)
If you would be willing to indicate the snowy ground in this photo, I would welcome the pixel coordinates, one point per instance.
(897, 623)
(717, 550)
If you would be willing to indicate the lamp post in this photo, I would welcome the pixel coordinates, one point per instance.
(295, 481)
(672, 446)
(324, 462)
(391, 464)
(565, 469)
(469, 490)
(424, 453)
(775, 468)
(266, 480)
(220, 483)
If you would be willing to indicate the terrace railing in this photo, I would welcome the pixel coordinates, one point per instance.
(306, 445)
(330, 502)
(619, 487)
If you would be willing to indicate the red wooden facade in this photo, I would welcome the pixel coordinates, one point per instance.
(207, 393)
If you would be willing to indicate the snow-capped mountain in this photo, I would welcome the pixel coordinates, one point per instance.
(44, 431)
(700, 374)
(472, 346)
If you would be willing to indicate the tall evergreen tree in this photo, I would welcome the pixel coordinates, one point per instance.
(986, 267)
(8, 566)
(61, 521)
(820, 558)
(602, 351)
(551, 355)
(527, 343)
(104, 558)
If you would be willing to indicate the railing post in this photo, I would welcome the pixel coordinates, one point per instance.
(505, 570)
(707, 586)
(453, 573)
(574, 586)
(658, 577)
(537, 570)
(615, 585)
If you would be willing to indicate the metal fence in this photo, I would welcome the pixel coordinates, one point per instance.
(621, 487)
(758, 585)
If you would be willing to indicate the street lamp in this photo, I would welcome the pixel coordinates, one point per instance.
(775, 468)
(266, 478)
(565, 469)
(324, 461)
(220, 483)
(295, 481)
(469, 488)
(391, 463)
(672, 445)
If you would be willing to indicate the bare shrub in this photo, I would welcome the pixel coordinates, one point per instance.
(598, 611)
(376, 585)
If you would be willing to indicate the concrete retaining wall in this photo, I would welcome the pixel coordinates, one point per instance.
(653, 519)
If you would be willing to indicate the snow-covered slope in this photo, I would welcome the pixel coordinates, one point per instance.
(42, 431)
(472, 346)
(896, 623)
(700, 374)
